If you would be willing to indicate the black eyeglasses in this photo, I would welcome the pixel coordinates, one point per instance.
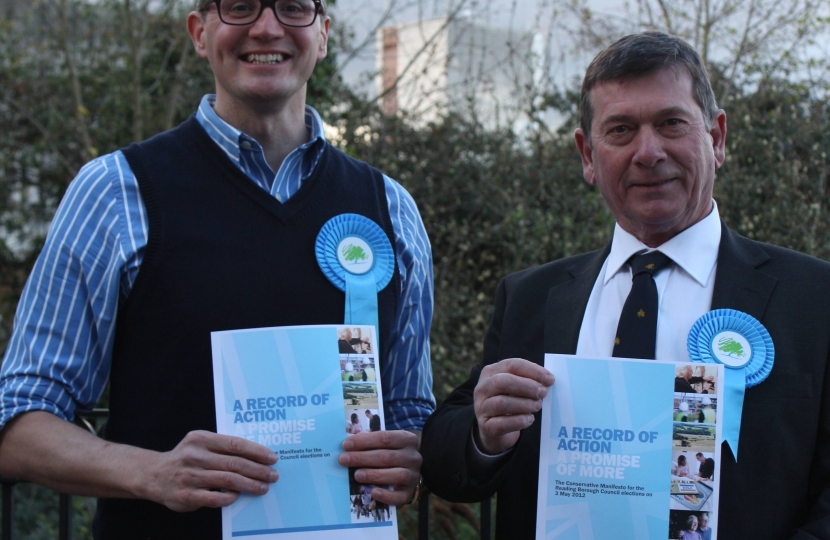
(297, 13)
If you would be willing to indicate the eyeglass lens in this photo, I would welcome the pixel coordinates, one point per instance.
(288, 12)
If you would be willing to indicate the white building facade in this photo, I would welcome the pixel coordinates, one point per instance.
(429, 68)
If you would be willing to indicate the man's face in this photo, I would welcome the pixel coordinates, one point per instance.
(701, 459)
(261, 63)
(651, 154)
(704, 522)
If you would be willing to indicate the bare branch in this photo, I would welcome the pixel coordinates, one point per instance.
(666, 16)
(370, 36)
(136, 45)
(43, 130)
(81, 112)
(426, 46)
(176, 89)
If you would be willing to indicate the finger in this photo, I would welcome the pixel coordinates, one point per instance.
(395, 439)
(229, 481)
(503, 425)
(398, 476)
(249, 469)
(207, 460)
(382, 459)
(509, 384)
(210, 499)
(236, 446)
(522, 368)
(507, 405)
(393, 498)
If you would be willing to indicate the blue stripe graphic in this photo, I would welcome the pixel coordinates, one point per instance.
(319, 528)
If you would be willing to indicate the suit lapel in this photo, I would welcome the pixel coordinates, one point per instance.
(567, 301)
(738, 285)
(738, 282)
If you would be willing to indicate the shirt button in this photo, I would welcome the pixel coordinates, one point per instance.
(246, 145)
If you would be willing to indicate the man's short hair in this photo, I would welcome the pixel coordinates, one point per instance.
(699, 454)
(637, 55)
(202, 5)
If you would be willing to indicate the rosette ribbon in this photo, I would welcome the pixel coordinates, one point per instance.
(742, 344)
(356, 257)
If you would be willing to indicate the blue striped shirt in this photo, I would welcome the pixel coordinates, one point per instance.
(60, 352)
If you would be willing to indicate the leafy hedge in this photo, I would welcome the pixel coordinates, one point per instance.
(492, 202)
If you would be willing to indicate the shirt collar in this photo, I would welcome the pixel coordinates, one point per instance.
(229, 138)
(695, 250)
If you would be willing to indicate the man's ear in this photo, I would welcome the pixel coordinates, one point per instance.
(324, 38)
(718, 133)
(583, 146)
(196, 29)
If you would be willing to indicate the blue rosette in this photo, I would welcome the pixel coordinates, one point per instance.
(356, 257)
(742, 344)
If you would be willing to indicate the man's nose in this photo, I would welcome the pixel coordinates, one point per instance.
(649, 150)
(268, 24)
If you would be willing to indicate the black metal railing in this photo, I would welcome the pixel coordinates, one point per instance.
(92, 421)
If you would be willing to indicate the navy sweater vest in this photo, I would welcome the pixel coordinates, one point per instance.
(222, 254)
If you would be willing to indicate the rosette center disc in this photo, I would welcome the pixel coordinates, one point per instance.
(355, 255)
(731, 349)
(350, 246)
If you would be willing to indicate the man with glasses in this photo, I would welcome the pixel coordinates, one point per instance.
(210, 226)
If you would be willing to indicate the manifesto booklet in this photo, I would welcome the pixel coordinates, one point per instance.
(301, 391)
(630, 449)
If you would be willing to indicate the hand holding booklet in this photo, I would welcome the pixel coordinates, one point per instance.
(301, 391)
(629, 450)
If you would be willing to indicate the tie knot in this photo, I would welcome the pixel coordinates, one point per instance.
(650, 263)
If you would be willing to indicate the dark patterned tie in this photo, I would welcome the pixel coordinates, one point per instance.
(637, 329)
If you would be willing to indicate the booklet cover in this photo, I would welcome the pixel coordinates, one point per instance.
(630, 449)
(300, 391)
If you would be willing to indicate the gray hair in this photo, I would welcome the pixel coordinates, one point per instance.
(638, 55)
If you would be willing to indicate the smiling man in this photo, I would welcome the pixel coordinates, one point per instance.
(210, 226)
(651, 138)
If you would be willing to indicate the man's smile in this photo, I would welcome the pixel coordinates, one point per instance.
(654, 183)
(255, 58)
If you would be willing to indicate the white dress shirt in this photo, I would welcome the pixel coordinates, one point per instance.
(687, 285)
(684, 289)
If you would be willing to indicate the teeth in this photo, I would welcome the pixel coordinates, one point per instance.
(265, 58)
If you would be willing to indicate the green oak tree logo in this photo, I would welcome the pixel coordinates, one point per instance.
(730, 347)
(353, 253)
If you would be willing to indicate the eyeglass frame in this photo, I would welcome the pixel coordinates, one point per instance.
(263, 4)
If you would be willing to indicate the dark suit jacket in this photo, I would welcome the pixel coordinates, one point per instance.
(780, 487)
